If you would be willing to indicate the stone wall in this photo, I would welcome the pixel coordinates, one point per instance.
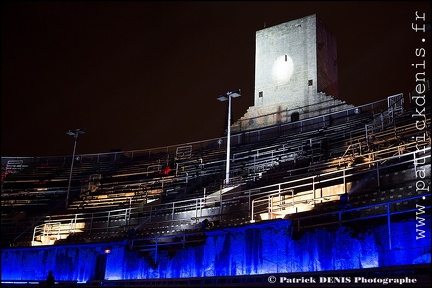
(260, 248)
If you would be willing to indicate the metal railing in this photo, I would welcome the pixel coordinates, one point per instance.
(157, 216)
(236, 138)
(310, 189)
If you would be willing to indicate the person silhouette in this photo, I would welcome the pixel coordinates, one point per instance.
(50, 279)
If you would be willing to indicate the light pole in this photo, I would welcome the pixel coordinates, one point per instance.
(75, 134)
(225, 97)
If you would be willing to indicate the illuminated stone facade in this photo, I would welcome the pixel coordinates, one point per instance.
(296, 75)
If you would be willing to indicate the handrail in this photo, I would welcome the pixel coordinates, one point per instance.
(272, 154)
(195, 206)
(113, 156)
(310, 181)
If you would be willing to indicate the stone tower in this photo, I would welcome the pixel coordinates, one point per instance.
(296, 74)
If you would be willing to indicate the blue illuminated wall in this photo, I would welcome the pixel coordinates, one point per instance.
(253, 249)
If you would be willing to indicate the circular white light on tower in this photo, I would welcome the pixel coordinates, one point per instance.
(283, 69)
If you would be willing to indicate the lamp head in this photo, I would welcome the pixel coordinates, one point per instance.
(76, 133)
(233, 94)
(222, 98)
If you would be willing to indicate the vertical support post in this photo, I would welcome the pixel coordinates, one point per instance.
(378, 176)
(75, 134)
(220, 204)
(227, 171)
(70, 173)
(228, 97)
(388, 226)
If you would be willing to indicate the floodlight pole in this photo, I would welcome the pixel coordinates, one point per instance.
(228, 97)
(227, 171)
(75, 134)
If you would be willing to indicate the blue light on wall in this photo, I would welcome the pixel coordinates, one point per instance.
(259, 248)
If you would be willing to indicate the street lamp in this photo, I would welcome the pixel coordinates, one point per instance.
(75, 134)
(225, 97)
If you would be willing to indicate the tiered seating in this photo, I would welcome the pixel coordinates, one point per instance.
(396, 148)
(315, 164)
(37, 188)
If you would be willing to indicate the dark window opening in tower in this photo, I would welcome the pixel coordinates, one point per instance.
(295, 116)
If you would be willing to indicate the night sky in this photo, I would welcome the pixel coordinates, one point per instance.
(139, 74)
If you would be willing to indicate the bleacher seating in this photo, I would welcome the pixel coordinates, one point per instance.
(318, 161)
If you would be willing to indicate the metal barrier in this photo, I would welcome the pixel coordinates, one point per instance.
(190, 211)
(236, 138)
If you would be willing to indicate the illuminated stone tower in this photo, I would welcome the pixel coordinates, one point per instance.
(296, 74)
